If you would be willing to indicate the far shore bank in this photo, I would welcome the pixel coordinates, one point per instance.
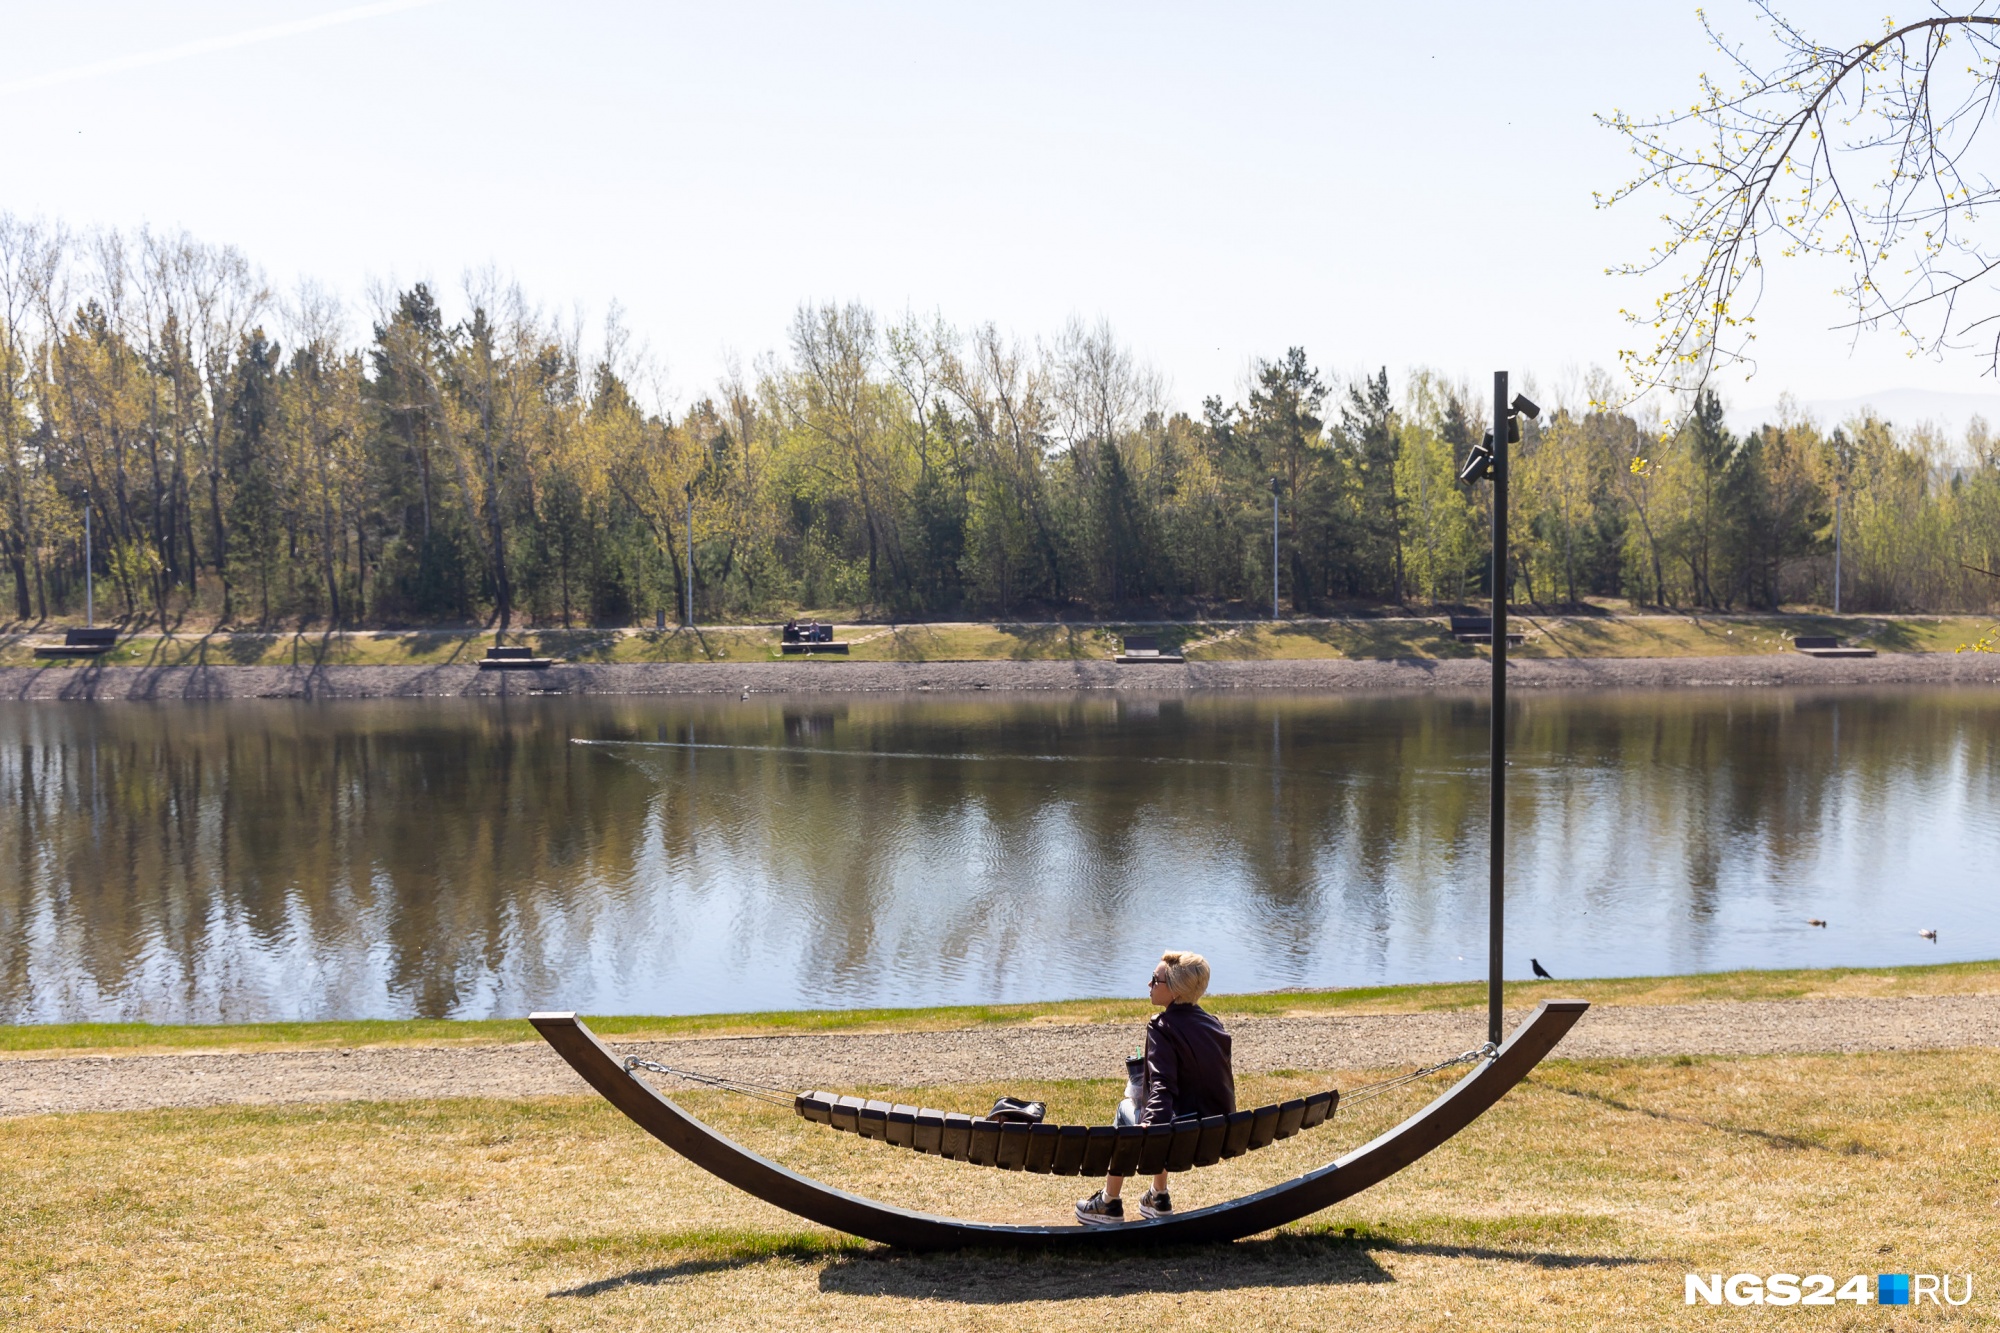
(1395, 675)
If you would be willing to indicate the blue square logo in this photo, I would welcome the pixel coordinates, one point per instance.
(1892, 1289)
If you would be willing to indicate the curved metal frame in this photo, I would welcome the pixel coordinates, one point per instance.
(1454, 1109)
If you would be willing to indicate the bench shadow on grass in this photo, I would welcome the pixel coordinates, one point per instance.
(1285, 1260)
(1008, 1277)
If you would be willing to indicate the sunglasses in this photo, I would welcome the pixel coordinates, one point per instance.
(1157, 981)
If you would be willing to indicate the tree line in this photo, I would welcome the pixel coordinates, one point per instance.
(243, 461)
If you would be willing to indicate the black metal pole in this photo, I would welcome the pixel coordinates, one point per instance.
(1274, 554)
(1497, 819)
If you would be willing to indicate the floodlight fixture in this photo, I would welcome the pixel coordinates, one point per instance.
(1523, 403)
(1478, 461)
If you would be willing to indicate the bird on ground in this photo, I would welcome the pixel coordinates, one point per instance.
(1814, 921)
(1927, 934)
(1540, 971)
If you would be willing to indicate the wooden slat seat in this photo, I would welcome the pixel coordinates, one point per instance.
(1180, 1152)
(1042, 1141)
(1131, 1141)
(985, 1148)
(1159, 1142)
(1101, 1145)
(1069, 1150)
(957, 1136)
(1012, 1152)
(1263, 1127)
(1208, 1147)
(903, 1125)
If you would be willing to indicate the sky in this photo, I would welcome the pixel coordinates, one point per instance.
(1384, 185)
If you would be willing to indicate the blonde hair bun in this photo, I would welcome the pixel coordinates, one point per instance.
(1187, 975)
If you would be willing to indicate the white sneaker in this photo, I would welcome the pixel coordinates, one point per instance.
(1156, 1205)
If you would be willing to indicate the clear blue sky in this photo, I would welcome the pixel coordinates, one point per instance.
(1394, 185)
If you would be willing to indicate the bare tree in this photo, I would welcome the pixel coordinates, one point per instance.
(1858, 154)
(835, 349)
(30, 257)
(325, 386)
(1007, 400)
(1096, 386)
(204, 300)
(922, 356)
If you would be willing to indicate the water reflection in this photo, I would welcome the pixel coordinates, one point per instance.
(278, 859)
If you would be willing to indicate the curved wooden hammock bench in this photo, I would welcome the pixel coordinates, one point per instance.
(1069, 1150)
(1454, 1109)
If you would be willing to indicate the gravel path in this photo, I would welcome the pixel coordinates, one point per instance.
(31, 1085)
(377, 682)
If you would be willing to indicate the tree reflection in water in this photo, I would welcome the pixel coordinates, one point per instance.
(191, 862)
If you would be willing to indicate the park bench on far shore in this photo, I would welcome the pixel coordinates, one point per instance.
(1477, 629)
(809, 637)
(82, 643)
(1826, 645)
(514, 659)
(1145, 648)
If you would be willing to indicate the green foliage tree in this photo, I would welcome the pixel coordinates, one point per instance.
(479, 465)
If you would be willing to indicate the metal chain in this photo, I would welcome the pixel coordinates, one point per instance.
(763, 1092)
(1367, 1090)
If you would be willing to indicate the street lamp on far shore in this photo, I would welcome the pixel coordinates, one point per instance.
(1274, 548)
(89, 572)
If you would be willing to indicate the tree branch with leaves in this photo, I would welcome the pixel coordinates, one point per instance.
(1860, 154)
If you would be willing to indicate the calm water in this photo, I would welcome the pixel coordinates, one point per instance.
(283, 860)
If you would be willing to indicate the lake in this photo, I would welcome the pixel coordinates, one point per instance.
(473, 858)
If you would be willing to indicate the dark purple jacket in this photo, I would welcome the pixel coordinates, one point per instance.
(1187, 1066)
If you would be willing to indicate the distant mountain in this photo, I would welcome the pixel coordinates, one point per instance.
(1950, 412)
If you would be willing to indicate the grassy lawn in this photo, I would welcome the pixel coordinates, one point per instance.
(412, 648)
(1579, 1202)
(1592, 636)
(1939, 979)
(1546, 636)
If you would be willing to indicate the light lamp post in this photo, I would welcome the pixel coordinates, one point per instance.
(89, 574)
(1488, 460)
(1274, 548)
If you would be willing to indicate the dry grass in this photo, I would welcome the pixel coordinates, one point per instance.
(1579, 1202)
(1980, 978)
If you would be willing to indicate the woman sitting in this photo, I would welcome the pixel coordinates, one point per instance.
(1186, 1074)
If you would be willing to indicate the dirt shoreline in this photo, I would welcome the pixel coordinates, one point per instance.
(42, 1085)
(1784, 670)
